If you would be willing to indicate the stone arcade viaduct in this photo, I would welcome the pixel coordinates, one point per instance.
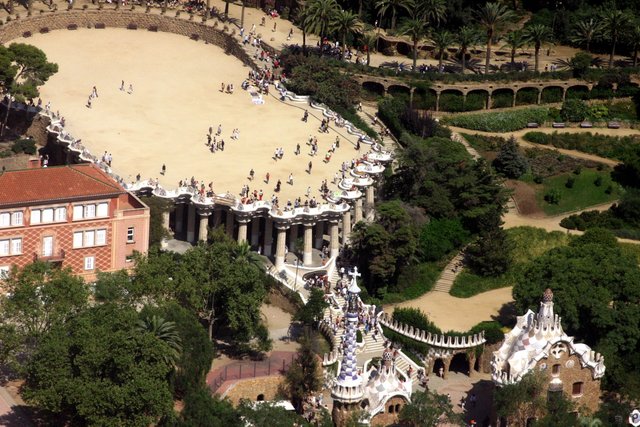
(383, 85)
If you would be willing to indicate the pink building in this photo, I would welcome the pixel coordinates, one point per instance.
(74, 216)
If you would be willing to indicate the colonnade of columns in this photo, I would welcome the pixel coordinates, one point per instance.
(293, 235)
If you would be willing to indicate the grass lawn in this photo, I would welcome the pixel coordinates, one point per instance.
(583, 194)
(527, 244)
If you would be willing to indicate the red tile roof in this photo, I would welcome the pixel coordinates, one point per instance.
(55, 184)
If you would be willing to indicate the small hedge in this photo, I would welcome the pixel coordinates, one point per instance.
(612, 147)
(499, 121)
(27, 146)
(416, 318)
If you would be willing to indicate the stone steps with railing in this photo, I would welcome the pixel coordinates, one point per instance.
(449, 274)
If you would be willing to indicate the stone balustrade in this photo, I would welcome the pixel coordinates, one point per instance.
(435, 340)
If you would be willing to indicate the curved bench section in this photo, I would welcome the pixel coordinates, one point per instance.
(435, 340)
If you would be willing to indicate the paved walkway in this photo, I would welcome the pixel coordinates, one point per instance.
(449, 274)
(11, 413)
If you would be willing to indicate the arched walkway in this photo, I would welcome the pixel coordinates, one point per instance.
(476, 100)
(502, 98)
(373, 89)
(460, 363)
(398, 90)
(437, 365)
(451, 100)
(552, 94)
(527, 96)
(578, 91)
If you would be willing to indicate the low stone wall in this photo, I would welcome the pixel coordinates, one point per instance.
(251, 388)
(111, 18)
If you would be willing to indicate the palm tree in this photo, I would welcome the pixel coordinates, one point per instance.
(514, 40)
(634, 41)
(467, 37)
(442, 40)
(538, 34)
(586, 31)
(320, 16)
(395, 5)
(166, 332)
(434, 11)
(614, 22)
(346, 23)
(369, 41)
(244, 255)
(416, 28)
(492, 17)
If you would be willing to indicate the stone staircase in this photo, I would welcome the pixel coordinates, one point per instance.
(449, 274)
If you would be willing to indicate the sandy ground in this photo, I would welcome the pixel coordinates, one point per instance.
(459, 314)
(176, 99)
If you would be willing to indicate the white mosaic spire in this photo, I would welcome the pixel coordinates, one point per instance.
(348, 386)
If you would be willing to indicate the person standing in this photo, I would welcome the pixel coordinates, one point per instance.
(310, 166)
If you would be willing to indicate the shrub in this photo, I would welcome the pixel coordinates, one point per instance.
(492, 331)
(439, 237)
(570, 182)
(538, 179)
(499, 121)
(502, 100)
(416, 318)
(27, 146)
(552, 94)
(613, 147)
(574, 110)
(509, 161)
(452, 102)
(527, 96)
(552, 197)
(577, 170)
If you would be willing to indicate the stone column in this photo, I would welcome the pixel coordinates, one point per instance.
(191, 224)
(217, 217)
(488, 107)
(346, 227)
(564, 94)
(255, 231)
(293, 235)
(179, 218)
(539, 95)
(515, 95)
(307, 257)
(242, 230)
(166, 215)
(437, 100)
(281, 242)
(358, 211)
(229, 225)
(334, 237)
(268, 237)
(204, 224)
(370, 199)
(319, 234)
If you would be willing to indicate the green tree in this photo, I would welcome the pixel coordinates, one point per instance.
(203, 409)
(538, 35)
(633, 37)
(38, 298)
(157, 207)
(320, 16)
(492, 17)
(347, 23)
(441, 236)
(574, 110)
(513, 41)
(627, 173)
(416, 27)
(99, 369)
(166, 332)
(468, 37)
(268, 414)
(586, 31)
(615, 23)
(303, 377)
(26, 68)
(383, 6)
(490, 254)
(428, 409)
(510, 161)
(522, 400)
(442, 41)
(312, 312)
(434, 11)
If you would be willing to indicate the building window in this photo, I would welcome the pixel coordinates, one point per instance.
(4, 272)
(89, 262)
(8, 219)
(47, 215)
(576, 390)
(90, 211)
(61, 214)
(35, 216)
(10, 247)
(17, 218)
(130, 235)
(555, 370)
(89, 238)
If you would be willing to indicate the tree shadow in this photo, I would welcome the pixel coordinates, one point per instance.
(478, 402)
(507, 314)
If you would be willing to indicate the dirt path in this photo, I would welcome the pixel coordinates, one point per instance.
(459, 314)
